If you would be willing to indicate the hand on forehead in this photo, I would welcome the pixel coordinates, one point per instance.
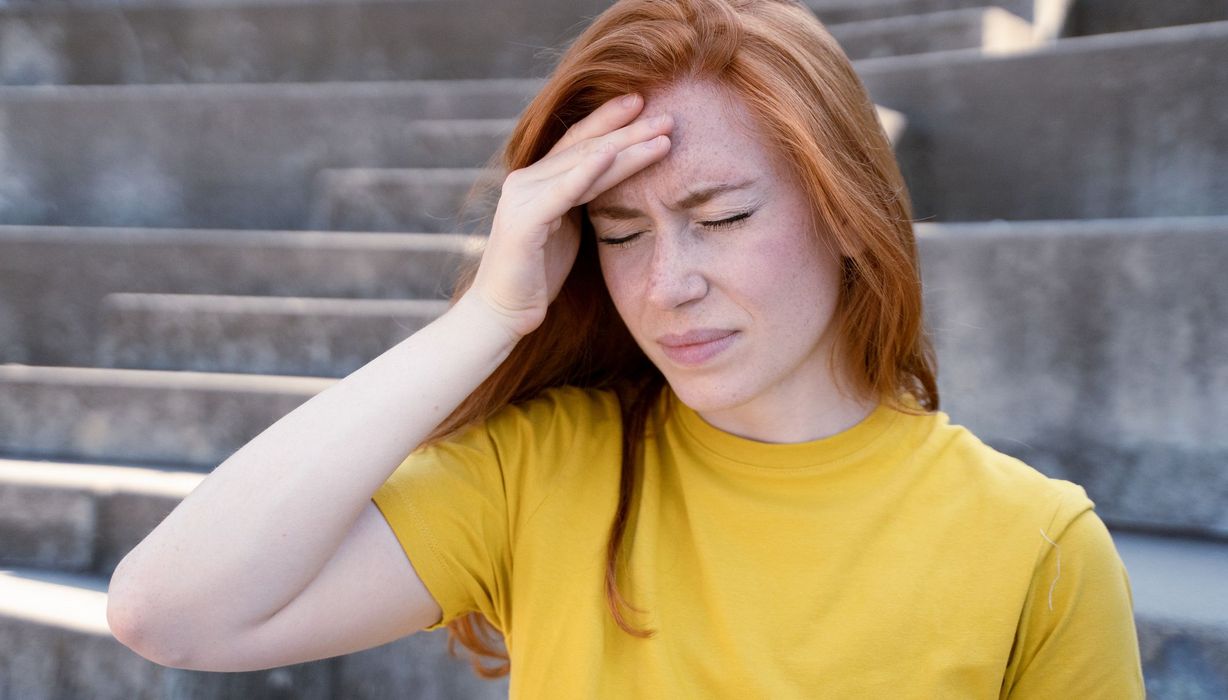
(711, 142)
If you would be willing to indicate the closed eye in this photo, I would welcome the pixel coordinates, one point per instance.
(726, 222)
(624, 241)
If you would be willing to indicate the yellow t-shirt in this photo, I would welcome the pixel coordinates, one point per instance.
(900, 558)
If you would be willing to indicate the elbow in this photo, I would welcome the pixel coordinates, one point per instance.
(138, 625)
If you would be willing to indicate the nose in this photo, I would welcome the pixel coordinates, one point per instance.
(675, 276)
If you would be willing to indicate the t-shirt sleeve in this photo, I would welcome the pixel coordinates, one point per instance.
(447, 505)
(1076, 636)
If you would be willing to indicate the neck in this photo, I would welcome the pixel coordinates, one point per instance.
(800, 416)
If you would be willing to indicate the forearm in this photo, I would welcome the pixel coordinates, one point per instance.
(258, 529)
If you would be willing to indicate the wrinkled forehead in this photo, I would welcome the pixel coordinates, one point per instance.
(714, 139)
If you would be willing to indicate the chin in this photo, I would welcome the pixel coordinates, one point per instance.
(703, 394)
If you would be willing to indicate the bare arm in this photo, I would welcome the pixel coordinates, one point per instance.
(278, 555)
(257, 531)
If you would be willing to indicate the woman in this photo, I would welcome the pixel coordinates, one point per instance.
(678, 435)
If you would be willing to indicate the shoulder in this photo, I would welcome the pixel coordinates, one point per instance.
(558, 412)
(558, 426)
(989, 480)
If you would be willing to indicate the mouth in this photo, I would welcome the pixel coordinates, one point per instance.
(696, 347)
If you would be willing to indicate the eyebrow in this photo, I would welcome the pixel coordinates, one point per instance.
(693, 199)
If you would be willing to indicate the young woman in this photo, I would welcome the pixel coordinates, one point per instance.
(678, 436)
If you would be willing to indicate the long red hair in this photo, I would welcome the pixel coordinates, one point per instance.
(800, 88)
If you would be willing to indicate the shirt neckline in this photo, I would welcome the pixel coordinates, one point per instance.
(827, 451)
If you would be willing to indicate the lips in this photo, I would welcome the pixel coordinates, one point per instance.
(695, 337)
(696, 347)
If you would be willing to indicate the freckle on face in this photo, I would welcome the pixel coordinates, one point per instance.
(767, 279)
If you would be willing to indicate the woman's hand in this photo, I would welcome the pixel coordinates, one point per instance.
(536, 229)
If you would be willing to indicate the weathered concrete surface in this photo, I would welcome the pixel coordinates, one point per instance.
(1183, 660)
(52, 280)
(417, 667)
(47, 656)
(1175, 578)
(840, 11)
(117, 155)
(189, 420)
(82, 517)
(1104, 16)
(1149, 110)
(42, 525)
(363, 40)
(401, 199)
(258, 335)
(990, 29)
(1094, 351)
(1118, 125)
(279, 42)
(55, 644)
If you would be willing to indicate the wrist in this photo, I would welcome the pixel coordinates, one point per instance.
(476, 315)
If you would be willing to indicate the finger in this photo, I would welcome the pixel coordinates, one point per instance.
(639, 131)
(628, 162)
(606, 118)
(563, 192)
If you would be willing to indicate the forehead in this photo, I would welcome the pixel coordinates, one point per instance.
(714, 140)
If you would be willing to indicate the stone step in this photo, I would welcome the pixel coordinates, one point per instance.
(255, 335)
(1115, 125)
(1104, 16)
(990, 29)
(432, 199)
(82, 517)
(1073, 346)
(278, 42)
(117, 156)
(989, 136)
(183, 420)
(52, 279)
(832, 12)
(401, 199)
(1181, 612)
(55, 644)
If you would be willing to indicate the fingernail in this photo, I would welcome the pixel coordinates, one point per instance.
(629, 100)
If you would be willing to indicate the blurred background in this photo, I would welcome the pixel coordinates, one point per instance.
(210, 211)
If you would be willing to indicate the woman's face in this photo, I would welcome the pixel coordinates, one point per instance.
(758, 287)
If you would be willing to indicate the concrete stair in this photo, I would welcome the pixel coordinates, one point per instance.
(399, 199)
(989, 29)
(833, 12)
(52, 279)
(990, 137)
(89, 413)
(1107, 16)
(276, 42)
(82, 517)
(981, 143)
(306, 336)
(164, 299)
(57, 645)
(1073, 346)
(115, 156)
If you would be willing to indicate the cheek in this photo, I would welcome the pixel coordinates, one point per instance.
(617, 281)
(794, 281)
